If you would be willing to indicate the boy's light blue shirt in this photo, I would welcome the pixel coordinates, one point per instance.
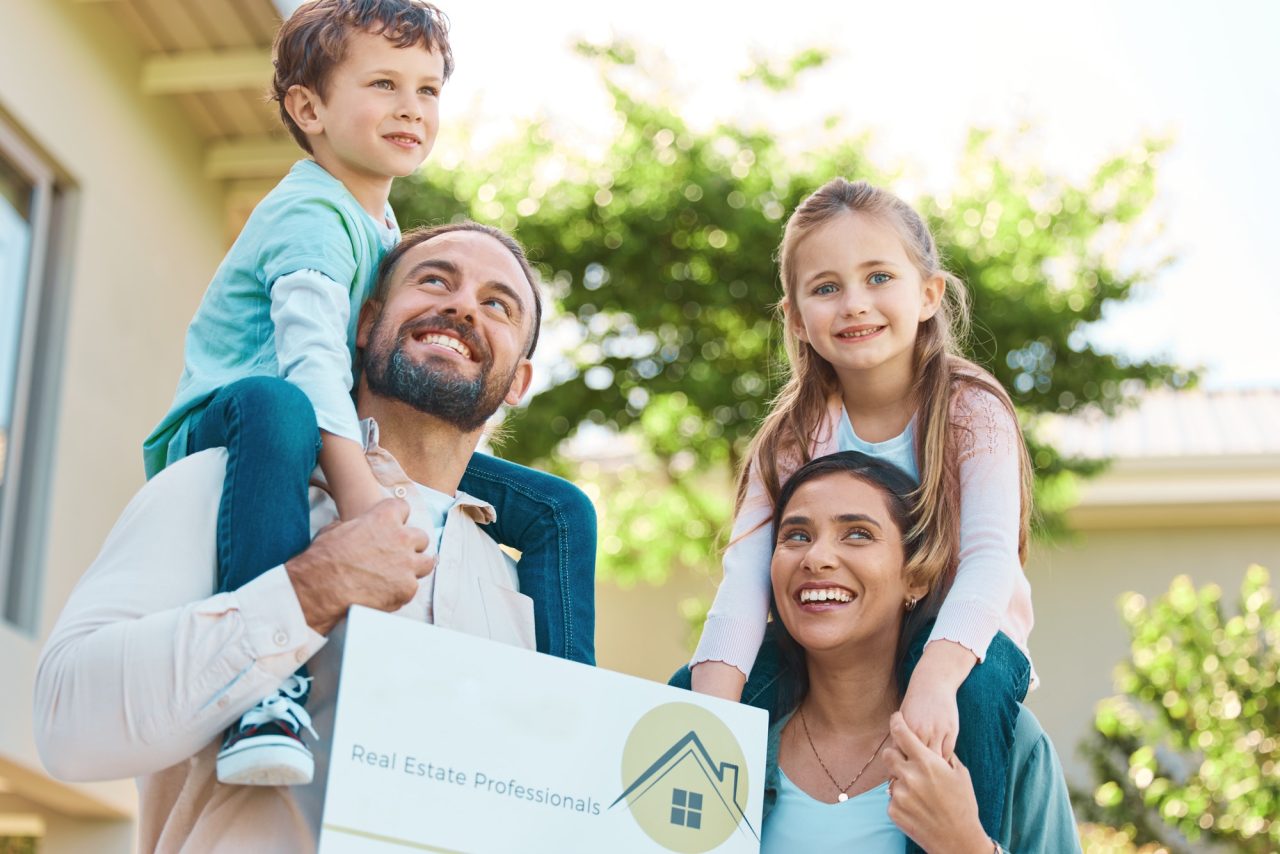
(309, 221)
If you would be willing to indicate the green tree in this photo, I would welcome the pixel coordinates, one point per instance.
(661, 253)
(1190, 748)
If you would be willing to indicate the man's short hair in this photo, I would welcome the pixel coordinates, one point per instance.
(423, 233)
(313, 41)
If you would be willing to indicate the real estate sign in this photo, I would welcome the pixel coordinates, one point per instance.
(450, 743)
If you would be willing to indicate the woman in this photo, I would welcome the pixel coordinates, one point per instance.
(844, 772)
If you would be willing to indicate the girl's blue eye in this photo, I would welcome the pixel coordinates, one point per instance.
(824, 290)
(382, 84)
(880, 278)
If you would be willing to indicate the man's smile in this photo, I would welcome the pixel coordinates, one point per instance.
(444, 336)
(443, 341)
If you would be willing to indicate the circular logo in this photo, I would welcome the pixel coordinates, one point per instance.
(684, 778)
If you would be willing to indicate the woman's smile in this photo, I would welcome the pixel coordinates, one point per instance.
(816, 597)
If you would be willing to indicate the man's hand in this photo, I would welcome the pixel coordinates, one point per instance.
(930, 798)
(374, 560)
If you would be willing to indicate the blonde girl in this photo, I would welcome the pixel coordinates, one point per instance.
(871, 320)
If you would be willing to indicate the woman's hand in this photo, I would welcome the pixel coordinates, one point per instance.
(930, 798)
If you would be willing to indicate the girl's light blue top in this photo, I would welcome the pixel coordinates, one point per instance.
(899, 451)
(798, 823)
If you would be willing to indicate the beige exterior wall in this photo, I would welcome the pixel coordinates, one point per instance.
(145, 232)
(1079, 636)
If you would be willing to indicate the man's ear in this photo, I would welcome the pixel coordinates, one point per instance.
(519, 382)
(368, 314)
(304, 107)
(791, 319)
(934, 288)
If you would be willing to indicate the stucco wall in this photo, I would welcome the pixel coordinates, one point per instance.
(1079, 636)
(147, 229)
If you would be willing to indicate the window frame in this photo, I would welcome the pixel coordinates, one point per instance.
(27, 478)
(686, 809)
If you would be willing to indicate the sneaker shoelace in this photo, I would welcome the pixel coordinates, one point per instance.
(282, 706)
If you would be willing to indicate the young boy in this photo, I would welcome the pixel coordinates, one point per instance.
(268, 356)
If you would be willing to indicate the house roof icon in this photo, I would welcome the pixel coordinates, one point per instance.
(722, 778)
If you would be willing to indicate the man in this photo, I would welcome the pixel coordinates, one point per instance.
(145, 668)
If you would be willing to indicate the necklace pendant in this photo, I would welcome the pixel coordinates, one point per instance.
(842, 797)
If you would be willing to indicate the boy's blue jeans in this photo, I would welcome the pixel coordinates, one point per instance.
(268, 427)
(553, 525)
(988, 704)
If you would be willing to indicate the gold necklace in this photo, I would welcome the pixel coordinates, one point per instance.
(842, 796)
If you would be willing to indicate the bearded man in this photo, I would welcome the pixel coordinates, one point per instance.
(145, 668)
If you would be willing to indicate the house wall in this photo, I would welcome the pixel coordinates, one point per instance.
(1079, 636)
(145, 231)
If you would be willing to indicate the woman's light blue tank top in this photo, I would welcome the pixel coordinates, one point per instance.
(798, 823)
(899, 451)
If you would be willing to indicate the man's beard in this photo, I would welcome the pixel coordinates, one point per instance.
(429, 386)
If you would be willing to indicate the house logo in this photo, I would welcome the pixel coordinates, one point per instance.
(684, 779)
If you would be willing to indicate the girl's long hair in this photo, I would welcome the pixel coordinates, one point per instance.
(940, 373)
(896, 488)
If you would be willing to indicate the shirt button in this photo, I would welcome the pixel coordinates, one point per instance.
(280, 638)
(401, 492)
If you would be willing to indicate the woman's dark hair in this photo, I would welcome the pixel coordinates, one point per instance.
(897, 488)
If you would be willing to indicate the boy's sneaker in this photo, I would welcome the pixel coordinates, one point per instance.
(265, 748)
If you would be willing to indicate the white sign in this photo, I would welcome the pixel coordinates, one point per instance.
(450, 743)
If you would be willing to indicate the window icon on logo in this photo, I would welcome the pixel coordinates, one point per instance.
(686, 808)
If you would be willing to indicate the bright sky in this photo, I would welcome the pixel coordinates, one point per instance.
(1092, 77)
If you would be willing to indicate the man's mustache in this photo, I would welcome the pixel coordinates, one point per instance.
(443, 323)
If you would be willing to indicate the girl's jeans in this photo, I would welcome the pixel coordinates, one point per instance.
(268, 427)
(988, 703)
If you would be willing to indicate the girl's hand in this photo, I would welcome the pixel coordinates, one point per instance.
(930, 705)
(929, 709)
(930, 798)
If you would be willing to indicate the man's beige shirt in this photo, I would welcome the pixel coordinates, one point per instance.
(146, 667)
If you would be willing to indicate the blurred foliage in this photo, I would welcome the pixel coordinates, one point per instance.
(661, 253)
(19, 845)
(1190, 749)
(779, 77)
(1100, 839)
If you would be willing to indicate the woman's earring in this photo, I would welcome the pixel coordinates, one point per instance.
(911, 602)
